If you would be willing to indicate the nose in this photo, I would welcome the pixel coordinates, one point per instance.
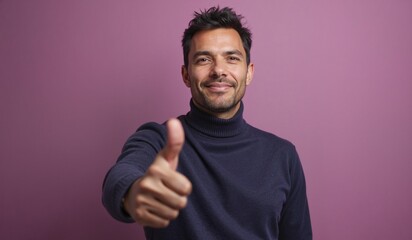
(218, 69)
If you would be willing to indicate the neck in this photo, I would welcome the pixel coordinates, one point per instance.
(214, 126)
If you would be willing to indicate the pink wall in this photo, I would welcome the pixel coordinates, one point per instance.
(78, 77)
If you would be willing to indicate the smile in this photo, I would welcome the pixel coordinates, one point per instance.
(218, 86)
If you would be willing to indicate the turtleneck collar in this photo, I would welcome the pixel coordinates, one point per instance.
(213, 126)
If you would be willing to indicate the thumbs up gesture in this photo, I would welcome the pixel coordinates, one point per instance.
(158, 196)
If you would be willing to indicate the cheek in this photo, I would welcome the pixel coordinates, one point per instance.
(241, 78)
(194, 83)
(200, 72)
(196, 79)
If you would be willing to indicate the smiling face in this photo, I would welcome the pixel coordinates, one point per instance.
(217, 73)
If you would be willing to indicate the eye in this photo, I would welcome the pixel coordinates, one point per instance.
(202, 60)
(233, 59)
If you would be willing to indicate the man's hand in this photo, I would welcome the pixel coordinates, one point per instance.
(157, 197)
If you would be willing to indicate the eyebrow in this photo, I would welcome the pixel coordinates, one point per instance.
(208, 53)
(234, 52)
(201, 53)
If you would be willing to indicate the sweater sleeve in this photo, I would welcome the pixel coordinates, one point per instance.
(137, 154)
(295, 222)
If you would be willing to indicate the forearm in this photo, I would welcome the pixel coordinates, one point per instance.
(116, 184)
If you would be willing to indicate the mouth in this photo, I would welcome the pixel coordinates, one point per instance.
(218, 86)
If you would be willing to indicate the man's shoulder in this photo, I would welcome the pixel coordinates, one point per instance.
(270, 137)
(153, 129)
(149, 132)
(152, 126)
(156, 127)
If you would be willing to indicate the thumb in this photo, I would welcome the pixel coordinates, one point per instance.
(175, 141)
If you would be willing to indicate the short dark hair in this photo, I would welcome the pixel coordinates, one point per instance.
(214, 18)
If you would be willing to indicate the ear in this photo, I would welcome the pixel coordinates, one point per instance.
(185, 76)
(249, 74)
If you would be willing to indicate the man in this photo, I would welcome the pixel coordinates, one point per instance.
(208, 174)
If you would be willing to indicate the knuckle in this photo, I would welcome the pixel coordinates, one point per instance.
(140, 214)
(182, 203)
(140, 200)
(163, 223)
(143, 184)
(187, 189)
(173, 214)
(154, 170)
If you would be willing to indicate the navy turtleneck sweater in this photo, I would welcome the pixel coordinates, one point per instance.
(247, 183)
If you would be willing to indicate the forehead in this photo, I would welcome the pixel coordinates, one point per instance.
(215, 40)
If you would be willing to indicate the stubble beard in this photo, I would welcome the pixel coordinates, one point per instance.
(221, 105)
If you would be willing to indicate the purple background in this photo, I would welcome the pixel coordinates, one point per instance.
(78, 77)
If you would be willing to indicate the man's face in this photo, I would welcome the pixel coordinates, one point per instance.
(217, 73)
